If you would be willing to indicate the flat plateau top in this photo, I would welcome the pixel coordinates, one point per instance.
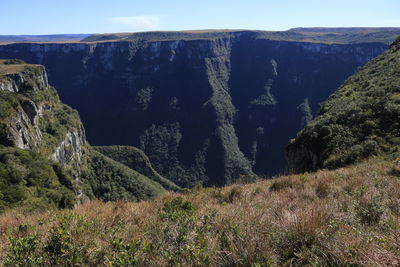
(310, 35)
(8, 67)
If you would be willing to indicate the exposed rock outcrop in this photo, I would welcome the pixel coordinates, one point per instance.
(32, 98)
(35, 78)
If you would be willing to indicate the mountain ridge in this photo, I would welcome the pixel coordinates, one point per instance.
(344, 35)
(314, 35)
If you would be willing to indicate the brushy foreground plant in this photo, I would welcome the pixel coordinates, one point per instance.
(347, 217)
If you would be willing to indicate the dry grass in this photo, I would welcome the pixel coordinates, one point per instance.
(12, 68)
(347, 217)
(9, 69)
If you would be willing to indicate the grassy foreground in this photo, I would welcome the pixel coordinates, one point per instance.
(346, 217)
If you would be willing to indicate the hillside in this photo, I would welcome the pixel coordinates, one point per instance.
(346, 217)
(359, 120)
(135, 159)
(110, 180)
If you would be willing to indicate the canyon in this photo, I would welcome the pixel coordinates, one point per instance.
(207, 110)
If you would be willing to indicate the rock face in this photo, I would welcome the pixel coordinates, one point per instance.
(204, 111)
(33, 107)
(69, 152)
(23, 81)
(360, 119)
(42, 142)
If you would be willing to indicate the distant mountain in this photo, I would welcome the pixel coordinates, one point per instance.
(345, 29)
(362, 118)
(316, 35)
(42, 38)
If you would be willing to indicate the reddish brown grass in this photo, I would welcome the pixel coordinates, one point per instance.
(308, 219)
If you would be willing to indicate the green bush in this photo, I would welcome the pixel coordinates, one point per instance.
(183, 234)
(13, 61)
(24, 252)
(124, 254)
(369, 212)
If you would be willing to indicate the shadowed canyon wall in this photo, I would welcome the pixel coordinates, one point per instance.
(204, 110)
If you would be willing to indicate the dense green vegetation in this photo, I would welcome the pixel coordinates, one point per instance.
(110, 180)
(29, 181)
(359, 120)
(135, 159)
(8, 102)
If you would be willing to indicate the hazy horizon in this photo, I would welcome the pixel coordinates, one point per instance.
(47, 17)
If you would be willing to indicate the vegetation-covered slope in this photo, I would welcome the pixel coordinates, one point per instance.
(135, 159)
(362, 118)
(31, 182)
(110, 180)
(346, 217)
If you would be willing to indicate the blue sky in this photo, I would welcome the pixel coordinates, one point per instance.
(103, 16)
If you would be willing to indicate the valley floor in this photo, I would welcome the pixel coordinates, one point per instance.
(346, 217)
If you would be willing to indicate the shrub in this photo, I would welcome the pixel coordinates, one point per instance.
(124, 254)
(234, 194)
(24, 251)
(322, 188)
(284, 183)
(177, 208)
(300, 231)
(182, 239)
(13, 61)
(369, 212)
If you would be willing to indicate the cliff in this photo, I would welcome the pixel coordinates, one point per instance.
(45, 160)
(41, 141)
(206, 111)
(359, 120)
(34, 118)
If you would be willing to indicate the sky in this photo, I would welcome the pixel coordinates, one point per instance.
(106, 16)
